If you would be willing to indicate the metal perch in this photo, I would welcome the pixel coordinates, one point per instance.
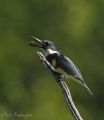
(63, 86)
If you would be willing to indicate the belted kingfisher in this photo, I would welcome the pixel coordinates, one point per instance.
(62, 64)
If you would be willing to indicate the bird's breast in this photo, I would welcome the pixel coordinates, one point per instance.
(58, 69)
(53, 62)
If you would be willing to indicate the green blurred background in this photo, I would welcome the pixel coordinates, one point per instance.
(26, 87)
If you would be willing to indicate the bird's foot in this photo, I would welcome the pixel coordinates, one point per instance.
(62, 77)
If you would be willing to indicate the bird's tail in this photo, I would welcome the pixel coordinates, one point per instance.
(84, 84)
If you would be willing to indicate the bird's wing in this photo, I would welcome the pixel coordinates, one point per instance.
(79, 70)
(68, 66)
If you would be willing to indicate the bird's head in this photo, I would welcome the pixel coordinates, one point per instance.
(46, 46)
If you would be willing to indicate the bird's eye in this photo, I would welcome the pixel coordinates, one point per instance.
(46, 43)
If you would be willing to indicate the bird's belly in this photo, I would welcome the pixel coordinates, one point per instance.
(63, 72)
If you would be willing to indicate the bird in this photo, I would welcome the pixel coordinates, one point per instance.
(62, 64)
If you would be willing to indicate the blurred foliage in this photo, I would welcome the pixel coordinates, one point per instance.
(25, 85)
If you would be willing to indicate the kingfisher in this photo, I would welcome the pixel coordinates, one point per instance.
(62, 64)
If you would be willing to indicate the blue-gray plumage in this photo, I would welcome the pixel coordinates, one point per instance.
(63, 65)
(68, 66)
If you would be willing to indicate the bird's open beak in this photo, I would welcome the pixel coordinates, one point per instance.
(36, 43)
